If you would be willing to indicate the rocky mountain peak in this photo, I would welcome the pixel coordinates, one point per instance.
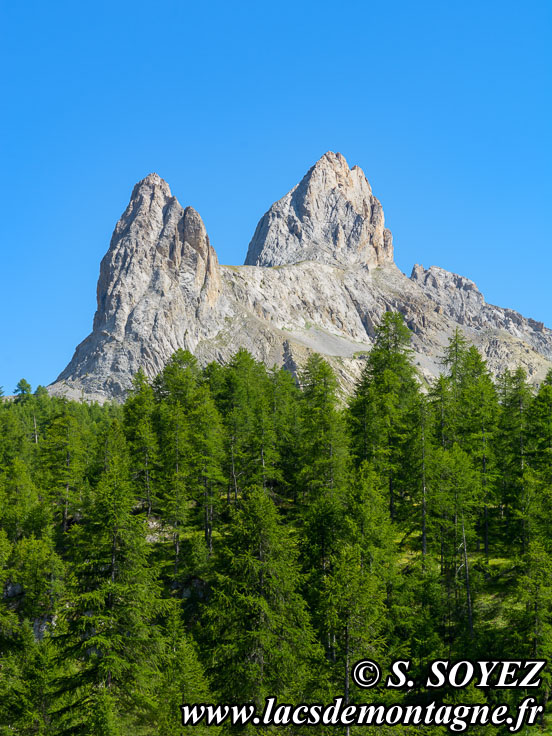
(151, 181)
(331, 216)
(155, 241)
(161, 288)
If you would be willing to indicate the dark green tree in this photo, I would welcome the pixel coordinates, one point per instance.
(252, 452)
(517, 489)
(539, 457)
(183, 679)
(477, 419)
(64, 461)
(139, 411)
(324, 456)
(381, 411)
(23, 390)
(113, 601)
(260, 638)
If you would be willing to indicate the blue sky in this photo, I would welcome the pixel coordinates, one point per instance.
(446, 107)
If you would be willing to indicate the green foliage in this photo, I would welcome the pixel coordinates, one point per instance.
(142, 440)
(259, 634)
(114, 596)
(516, 486)
(182, 680)
(324, 456)
(233, 532)
(352, 608)
(23, 390)
(381, 411)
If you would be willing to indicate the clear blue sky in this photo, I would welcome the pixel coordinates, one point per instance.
(446, 107)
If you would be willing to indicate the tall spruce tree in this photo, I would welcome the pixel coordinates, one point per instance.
(174, 432)
(204, 464)
(457, 496)
(284, 397)
(353, 612)
(324, 453)
(323, 479)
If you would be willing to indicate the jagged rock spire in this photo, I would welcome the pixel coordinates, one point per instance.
(331, 216)
(161, 288)
(159, 277)
(155, 242)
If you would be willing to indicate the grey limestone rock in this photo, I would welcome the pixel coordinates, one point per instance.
(319, 275)
(331, 216)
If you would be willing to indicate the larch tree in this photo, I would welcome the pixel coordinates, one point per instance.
(381, 409)
(113, 601)
(259, 635)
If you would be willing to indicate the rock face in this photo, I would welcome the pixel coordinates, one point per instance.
(159, 279)
(331, 216)
(319, 274)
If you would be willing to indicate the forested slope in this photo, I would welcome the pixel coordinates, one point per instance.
(227, 535)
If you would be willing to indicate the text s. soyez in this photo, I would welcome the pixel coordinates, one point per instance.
(506, 673)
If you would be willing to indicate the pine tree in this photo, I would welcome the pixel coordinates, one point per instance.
(323, 480)
(454, 361)
(176, 497)
(25, 510)
(37, 571)
(178, 380)
(15, 435)
(8, 618)
(369, 522)
(31, 578)
(531, 619)
(27, 685)
(418, 457)
(539, 456)
(23, 390)
(204, 462)
(457, 496)
(371, 533)
(446, 393)
(443, 411)
(285, 399)
(324, 456)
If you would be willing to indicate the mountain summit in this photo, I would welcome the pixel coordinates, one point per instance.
(331, 216)
(156, 246)
(318, 275)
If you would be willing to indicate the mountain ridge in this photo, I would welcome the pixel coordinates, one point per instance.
(318, 275)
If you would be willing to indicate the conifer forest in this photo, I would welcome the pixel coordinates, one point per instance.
(230, 533)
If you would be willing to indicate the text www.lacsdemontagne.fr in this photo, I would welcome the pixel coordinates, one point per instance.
(456, 718)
